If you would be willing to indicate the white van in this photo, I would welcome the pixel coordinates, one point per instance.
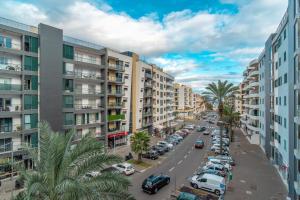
(209, 182)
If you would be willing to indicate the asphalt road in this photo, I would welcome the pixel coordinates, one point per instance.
(180, 164)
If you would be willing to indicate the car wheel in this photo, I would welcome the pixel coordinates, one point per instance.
(168, 181)
(195, 186)
(217, 192)
(155, 190)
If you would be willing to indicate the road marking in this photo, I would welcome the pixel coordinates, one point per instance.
(185, 156)
(179, 162)
(142, 171)
(189, 152)
(242, 181)
(248, 192)
(171, 169)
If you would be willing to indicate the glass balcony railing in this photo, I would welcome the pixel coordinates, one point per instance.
(116, 67)
(115, 79)
(115, 117)
(10, 128)
(10, 87)
(10, 45)
(147, 75)
(87, 60)
(297, 110)
(88, 91)
(11, 108)
(88, 106)
(148, 113)
(10, 67)
(92, 76)
(115, 92)
(115, 104)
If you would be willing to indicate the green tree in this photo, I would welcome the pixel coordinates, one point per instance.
(231, 118)
(219, 92)
(140, 142)
(61, 167)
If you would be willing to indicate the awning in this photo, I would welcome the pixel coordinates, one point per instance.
(117, 134)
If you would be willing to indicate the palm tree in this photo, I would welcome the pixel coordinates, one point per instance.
(140, 142)
(219, 92)
(231, 118)
(61, 167)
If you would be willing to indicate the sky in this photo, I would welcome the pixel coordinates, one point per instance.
(197, 41)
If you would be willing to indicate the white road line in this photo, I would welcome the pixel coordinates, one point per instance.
(185, 156)
(189, 152)
(179, 162)
(171, 169)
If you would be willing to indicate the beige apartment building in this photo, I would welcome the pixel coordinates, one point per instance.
(183, 99)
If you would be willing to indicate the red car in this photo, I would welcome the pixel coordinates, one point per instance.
(199, 144)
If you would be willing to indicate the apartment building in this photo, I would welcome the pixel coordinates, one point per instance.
(163, 97)
(142, 95)
(238, 106)
(183, 98)
(19, 87)
(249, 119)
(71, 84)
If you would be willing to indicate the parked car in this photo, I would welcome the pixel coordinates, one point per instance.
(216, 161)
(125, 168)
(187, 196)
(199, 144)
(201, 128)
(227, 159)
(153, 155)
(163, 147)
(209, 182)
(153, 183)
(211, 171)
(111, 170)
(169, 145)
(206, 133)
(158, 149)
(189, 127)
(178, 136)
(172, 140)
(185, 130)
(215, 167)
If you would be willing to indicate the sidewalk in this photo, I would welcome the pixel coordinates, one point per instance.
(254, 178)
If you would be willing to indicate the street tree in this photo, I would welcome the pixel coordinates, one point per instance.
(140, 143)
(61, 167)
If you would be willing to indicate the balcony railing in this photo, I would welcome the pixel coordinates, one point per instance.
(116, 67)
(10, 87)
(88, 106)
(11, 45)
(115, 79)
(148, 113)
(148, 84)
(87, 60)
(115, 104)
(297, 111)
(115, 92)
(115, 117)
(10, 128)
(147, 75)
(11, 108)
(88, 91)
(11, 67)
(92, 76)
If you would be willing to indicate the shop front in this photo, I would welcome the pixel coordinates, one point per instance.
(117, 139)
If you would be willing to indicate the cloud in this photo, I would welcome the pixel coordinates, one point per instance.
(234, 37)
(176, 66)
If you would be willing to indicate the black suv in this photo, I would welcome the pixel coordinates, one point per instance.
(158, 149)
(153, 155)
(153, 183)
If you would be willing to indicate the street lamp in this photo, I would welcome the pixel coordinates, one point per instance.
(221, 123)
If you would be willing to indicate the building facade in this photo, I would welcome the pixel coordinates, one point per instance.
(183, 99)
(250, 116)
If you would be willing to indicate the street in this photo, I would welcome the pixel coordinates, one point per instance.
(180, 164)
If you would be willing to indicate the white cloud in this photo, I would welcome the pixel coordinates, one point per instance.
(176, 66)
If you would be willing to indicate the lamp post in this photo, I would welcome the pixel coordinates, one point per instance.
(221, 123)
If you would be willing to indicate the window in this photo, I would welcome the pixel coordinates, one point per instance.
(279, 100)
(68, 68)
(31, 44)
(284, 122)
(30, 63)
(30, 102)
(5, 144)
(284, 34)
(68, 101)
(31, 121)
(276, 65)
(68, 51)
(284, 56)
(279, 139)
(279, 62)
(68, 85)
(285, 78)
(284, 100)
(30, 82)
(68, 119)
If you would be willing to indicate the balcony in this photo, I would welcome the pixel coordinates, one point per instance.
(148, 94)
(147, 123)
(9, 45)
(11, 67)
(9, 128)
(10, 87)
(112, 105)
(88, 92)
(11, 108)
(147, 114)
(87, 60)
(119, 117)
(297, 149)
(147, 104)
(115, 79)
(116, 67)
(115, 92)
(87, 106)
(89, 76)
(115, 130)
(148, 75)
(148, 84)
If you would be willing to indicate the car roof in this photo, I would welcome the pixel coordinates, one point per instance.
(126, 164)
(212, 176)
